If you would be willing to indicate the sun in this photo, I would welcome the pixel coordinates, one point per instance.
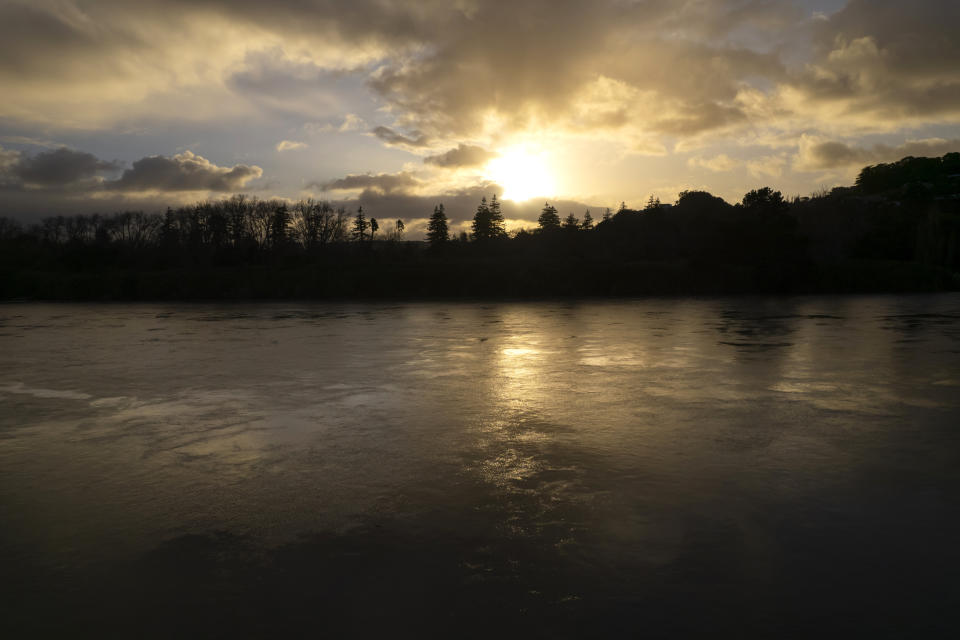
(523, 173)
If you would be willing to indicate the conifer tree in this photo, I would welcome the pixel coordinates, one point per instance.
(571, 223)
(549, 220)
(437, 229)
(587, 223)
(488, 221)
(481, 221)
(360, 226)
(497, 225)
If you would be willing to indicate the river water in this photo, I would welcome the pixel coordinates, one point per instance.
(662, 467)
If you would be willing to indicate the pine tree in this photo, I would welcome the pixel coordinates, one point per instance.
(587, 224)
(549, 220)
(497, 226)
(374, 227)
(571, 223)
(652, 204)
(437, 230)
(360, 226)
(488, 221)
(481, 221)
(606, 215)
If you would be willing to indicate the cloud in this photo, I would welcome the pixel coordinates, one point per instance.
(882, 64)
(184, 172)
(442, 68)
(626, 76)
(395, 139)
(60, 167)
(350, 122)
(462, 156)
(379, 183)
(289, 145)
(718, 163)
(767, 166)
(817, 154)
(80, 173)
(448, 72)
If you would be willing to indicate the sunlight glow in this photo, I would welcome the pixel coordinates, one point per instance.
(523, 173)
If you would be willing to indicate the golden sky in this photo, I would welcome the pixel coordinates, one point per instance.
(111, 104)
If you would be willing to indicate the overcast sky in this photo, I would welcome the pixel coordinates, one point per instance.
(112, 104)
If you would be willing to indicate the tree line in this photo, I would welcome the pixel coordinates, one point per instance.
(896, 228)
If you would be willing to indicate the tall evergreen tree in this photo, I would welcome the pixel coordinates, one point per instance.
(360, 226)
(587, 223)
(549, 220)
(488, 221)
(571, 223)
(437, 229)
(374, 227)
(497, 224)
(481, 221)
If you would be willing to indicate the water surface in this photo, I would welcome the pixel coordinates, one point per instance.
(660, 467)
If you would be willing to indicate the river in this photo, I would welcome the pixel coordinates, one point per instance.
(659, 467)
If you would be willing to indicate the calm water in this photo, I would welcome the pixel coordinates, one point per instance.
(656, 467)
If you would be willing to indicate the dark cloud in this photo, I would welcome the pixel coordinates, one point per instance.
(76, 173)
(443, 67)
(817, 155)
(887, 61)
(379, 183)
(395, 139)
(184, 172)
(60, 167)
(463, 156)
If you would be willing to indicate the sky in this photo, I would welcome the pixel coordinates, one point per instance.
(397, 105)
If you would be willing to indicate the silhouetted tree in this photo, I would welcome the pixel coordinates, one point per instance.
(606, 215)
(549, 220)
(587, 223)
(765, 200)
(374, 227)
(488, 221)
(496, 218)
(278, 225)
(903, 213)
(10, 229)
(360, 226)
(437, 230)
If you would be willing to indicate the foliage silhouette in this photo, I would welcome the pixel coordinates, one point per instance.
(549, 220)
(898, 228)
(438, 231)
